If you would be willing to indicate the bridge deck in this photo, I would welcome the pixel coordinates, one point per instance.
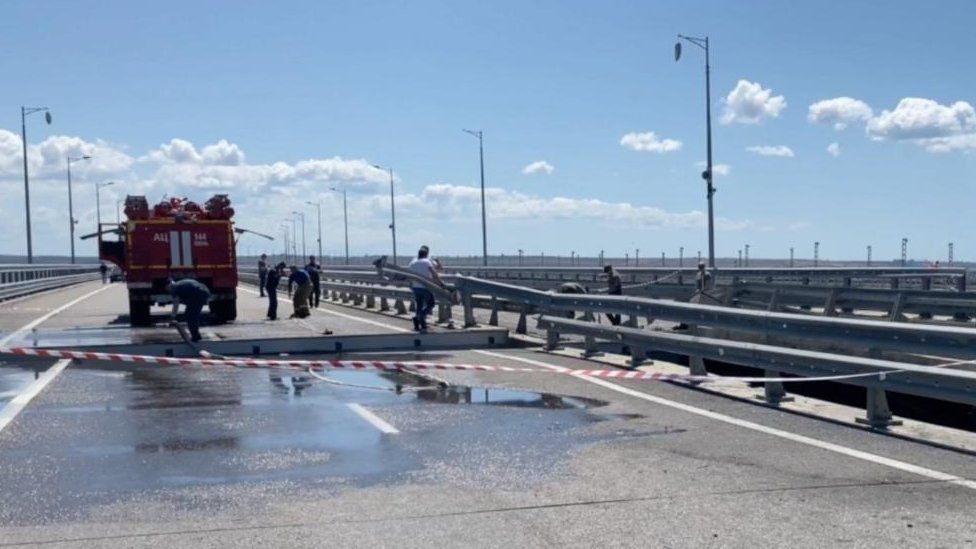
(175, 457)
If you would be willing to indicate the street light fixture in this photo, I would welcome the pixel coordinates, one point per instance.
(71, 212)
(707, 174)
(98, 203)
(484, 226)
(345, 218)
(392, 210)
(318, 209)
(24, 113)
(302, 215)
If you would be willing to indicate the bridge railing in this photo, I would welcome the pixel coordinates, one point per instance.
(19, 280)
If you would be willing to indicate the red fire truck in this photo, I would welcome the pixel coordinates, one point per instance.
(174, 240)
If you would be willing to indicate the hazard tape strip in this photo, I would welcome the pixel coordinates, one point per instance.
(358, 365)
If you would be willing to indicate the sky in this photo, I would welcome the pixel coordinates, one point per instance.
(846, 123)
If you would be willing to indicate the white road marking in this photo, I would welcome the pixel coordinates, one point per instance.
(343, 315)
(816, 443)
(34, 323)
(373, 419)
(10, 411)
(829, 446)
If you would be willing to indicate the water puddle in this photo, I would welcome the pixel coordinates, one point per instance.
(505, 397)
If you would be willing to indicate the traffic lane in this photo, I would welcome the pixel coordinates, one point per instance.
(96, 441)
(14, 379)
(659, 474)
(16, 313)
(958, 463)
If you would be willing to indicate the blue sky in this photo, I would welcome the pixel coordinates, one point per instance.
(276, 103)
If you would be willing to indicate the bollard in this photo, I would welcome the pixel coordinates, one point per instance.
(521, 327)
(443, 312)
(384, 304)
(469, 319)
(773, 391)
(878, 414)
(552, 339)
(401, 309)
(493, 319)
(370, 302)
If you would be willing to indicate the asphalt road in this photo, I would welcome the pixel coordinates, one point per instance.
(190, 458)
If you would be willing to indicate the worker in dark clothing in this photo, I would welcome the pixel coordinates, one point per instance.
(103, 268)
(303, 289)
(194, 295)
(262, 272)
(313, 269)
(271, 285)
(614, 287)
(570, 288)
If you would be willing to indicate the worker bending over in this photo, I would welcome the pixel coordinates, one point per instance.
(194, 295)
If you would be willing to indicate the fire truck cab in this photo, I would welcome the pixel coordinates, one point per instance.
(177, 239)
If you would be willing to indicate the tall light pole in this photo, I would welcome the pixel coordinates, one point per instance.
(392, 210)
(302, 216)
(71, 211)
(318, 209)
(345, 218)
(484, 225)
(98, 203)
(284, 230)
(707, 174)
(24, 112)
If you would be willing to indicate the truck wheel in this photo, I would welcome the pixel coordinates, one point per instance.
(139, 313)
(225, 310)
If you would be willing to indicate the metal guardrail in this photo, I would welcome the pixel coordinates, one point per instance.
(20, 288)
(925, 381)
(11, 273)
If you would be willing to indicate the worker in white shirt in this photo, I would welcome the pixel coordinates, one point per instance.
(424, 298)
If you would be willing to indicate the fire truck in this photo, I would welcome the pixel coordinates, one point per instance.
(176, 239)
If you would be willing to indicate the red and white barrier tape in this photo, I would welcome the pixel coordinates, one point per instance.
(375, 365)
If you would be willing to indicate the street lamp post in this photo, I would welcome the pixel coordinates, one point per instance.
(392, 211)
(24, 112)
(284, 230)
(707, 174)
(345, 219)
(484, 225)
(318, 209)
(71, 211)
(98, 203)
(302, 215)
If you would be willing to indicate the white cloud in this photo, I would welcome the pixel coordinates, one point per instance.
(50, 156)
(649, 142)
(966, 141)
(537, 167)
(839, 112)
(834, 149)
(750, 103)
(916, 118)
(771, 150)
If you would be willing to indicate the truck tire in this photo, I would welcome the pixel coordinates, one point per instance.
(224, 310)
(139, 313)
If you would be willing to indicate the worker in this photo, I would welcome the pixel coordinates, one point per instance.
(103, 268)
(303, 289)
(423, 297)
(614, 287)
(313, 269)
(702, 279)
(570, 288)
(271, 285)
(194, 295)
(262, 272)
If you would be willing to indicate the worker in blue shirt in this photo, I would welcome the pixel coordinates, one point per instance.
(303, 289)
(194, 295)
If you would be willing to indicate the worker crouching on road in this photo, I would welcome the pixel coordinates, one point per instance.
(194, 295)
(271, 286)
(303, 289)
(424, 298)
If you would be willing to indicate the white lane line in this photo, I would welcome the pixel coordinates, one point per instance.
(34, 323)
(816, 443)
(343, 315)
(373, 419)
(10, 411)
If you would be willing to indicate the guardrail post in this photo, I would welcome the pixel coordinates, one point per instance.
(896, 307)
(773, 391)
(878, 414)
(357, 299)
(384, 304)
(631, 321)
(521, 327)
(829, 309)
(469, 319)
(370, 302)
(412, 307)
(773, 301)
(638, 355)
(493, 319)
(443, 312)
(552, 339)
(401, 309)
